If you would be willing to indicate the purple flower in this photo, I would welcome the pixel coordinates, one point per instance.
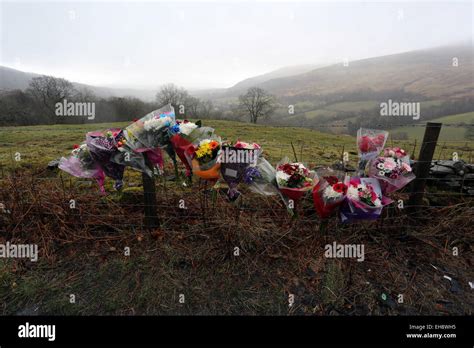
(250, 174)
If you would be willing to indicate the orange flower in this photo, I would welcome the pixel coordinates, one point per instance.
(214, 144)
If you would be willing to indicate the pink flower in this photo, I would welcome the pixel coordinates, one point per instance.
(389, 164)
(406, 167)
(373, 195)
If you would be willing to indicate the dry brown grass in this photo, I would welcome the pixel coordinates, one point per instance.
(193, 252)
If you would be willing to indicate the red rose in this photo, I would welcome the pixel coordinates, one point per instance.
(331, 180)
(379, 139)
(364, 143)
(339, 187)
(373, 196)
(75, 146)
(287, 168)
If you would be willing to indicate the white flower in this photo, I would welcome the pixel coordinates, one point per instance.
(204, 142)
(353, 192)
(282, 177)
(82, 147)
(157, 123)
(187, 128)
(301, 166)
(329, 192)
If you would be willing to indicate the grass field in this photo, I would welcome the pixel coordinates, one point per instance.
(450, 132)
(192, 252)
(38, 145)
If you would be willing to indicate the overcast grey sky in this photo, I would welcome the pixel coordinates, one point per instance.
(214, 44)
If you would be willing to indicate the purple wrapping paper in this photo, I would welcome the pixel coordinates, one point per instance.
(102, 150)
(350, 213)
(355, 210)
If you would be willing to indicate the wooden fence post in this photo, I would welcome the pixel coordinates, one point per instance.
(422, 168)
(149, 198)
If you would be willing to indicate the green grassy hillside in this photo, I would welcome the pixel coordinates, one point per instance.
(450, 131)
(40, 144)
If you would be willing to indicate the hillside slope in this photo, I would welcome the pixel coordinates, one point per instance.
(11, 79)
(427, 72)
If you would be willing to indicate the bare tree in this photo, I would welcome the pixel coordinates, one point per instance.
(16, 108)
(192, 105)
(206, 108)
(257, 103)
(49, 90)
(84, 94)
(172, 94)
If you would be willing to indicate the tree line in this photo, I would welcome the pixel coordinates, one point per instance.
(38, 104)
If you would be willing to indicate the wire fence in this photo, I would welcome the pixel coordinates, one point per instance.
(41, 192)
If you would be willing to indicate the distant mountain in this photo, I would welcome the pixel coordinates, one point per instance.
(16, 79)
(240, 87)
(432, 73)
(279, 73)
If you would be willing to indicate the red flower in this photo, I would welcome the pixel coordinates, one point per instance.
(135, 120)
(75, 146)
(400, 152)
(364, 143)
(288, 168)
(379, 139)
(369, 144)
(373, 196)
(340, 187)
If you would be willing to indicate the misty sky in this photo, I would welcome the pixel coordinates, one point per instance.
(214, 44)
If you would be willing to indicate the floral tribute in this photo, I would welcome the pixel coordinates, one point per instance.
(139, 146)
(294, 179)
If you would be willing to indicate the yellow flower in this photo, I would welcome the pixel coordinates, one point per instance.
(203, 150)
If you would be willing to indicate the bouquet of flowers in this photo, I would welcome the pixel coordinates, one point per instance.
(261, 178)
(183, 135)
(393, 169)
(151, 131)
(364, 199)
(103, 146)
(235, 159)
(329, 192)
(128, 157)
(146, 137)
(294, 179)
(204, 157)
(81, 164)
(369, 144)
